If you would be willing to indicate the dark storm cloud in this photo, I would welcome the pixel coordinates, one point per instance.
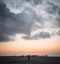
(27, 37)
(36, 2)
(56, 2)
(5, 38)
(4, 13)
(58, 32)
(58, 21)
(11, 23)
(42, 35)
(52, 8)
(26, 21)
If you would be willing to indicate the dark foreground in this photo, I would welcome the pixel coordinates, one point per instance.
(25, 60)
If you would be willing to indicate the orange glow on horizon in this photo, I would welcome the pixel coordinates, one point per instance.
(21, 47)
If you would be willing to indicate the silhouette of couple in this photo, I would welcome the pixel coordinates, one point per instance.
(28, 57)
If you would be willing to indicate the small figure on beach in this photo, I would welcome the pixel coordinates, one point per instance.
(28, 57)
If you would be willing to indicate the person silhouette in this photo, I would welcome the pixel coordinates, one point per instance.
(28, 57)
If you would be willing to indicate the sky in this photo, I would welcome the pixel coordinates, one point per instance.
(30, 27)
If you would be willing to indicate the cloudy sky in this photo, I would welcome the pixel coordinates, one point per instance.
(29, 27)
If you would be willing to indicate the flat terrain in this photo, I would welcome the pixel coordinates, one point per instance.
(33, 60)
